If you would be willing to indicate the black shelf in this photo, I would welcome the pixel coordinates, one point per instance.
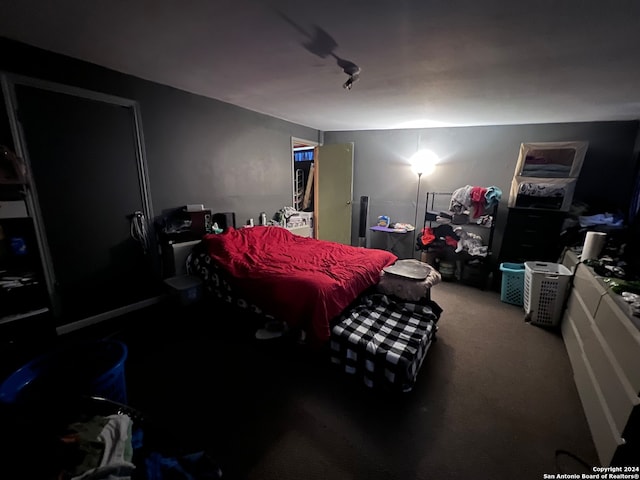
(471, 269)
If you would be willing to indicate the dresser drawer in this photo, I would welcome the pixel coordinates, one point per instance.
(590, 290)
(520, 251)
(531, 235)
(622, 337)
(577, 310)
(616, 389)
(604, 432)
(606, 437)
(536, 219)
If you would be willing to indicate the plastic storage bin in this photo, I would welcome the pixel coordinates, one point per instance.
(186, 288)
(545, 290)
(85, 369)
(512, 283)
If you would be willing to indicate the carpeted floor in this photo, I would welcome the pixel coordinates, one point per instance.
(495, 398)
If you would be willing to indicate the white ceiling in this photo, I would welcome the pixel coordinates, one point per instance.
(424, 63)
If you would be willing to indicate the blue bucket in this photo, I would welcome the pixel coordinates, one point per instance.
(85, 369)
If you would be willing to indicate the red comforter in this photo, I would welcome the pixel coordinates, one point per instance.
(302, 281)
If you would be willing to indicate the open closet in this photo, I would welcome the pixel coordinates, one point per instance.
(86, 190)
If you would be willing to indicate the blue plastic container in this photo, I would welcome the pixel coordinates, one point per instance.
(512, 283)
(85, 369)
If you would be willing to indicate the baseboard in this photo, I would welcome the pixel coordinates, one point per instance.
(101, 317)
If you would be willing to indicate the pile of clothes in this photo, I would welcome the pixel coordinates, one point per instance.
(618, 280)
(456, 238)
(474, 201)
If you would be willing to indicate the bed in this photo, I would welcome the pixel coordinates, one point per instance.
(304, 282)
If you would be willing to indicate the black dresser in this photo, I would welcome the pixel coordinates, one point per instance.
(532, 235)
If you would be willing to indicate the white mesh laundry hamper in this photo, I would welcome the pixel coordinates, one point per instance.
(545, 289)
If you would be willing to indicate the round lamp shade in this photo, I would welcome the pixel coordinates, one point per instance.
(423, 162)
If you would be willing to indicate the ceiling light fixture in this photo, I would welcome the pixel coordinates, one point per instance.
(352, 79)
(353, 71)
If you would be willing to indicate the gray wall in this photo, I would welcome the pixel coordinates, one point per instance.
(482, 156)
(198, 150)
(204, 151)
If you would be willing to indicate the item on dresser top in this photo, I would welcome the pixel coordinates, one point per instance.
(593, 245)
(633, 299)
(605, 267)
(619, 286)
(384, 221)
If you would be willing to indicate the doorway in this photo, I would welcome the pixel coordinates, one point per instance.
(303, 156)
(328, 194)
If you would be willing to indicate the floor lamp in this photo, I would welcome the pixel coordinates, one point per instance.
(422, 162)
(415, 223)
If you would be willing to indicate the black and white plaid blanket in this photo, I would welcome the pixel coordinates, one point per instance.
(216, 285)
(384, 340)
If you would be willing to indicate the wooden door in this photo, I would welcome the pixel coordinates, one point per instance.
(88, 173)
(333, 192)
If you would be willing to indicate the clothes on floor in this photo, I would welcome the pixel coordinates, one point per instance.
(103, 446)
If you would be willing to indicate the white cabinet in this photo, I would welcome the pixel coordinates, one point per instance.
(603, 343)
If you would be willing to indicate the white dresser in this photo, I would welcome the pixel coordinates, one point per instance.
(603, 342)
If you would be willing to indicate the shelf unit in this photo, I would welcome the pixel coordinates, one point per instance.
(298, 189)
(471, 269)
